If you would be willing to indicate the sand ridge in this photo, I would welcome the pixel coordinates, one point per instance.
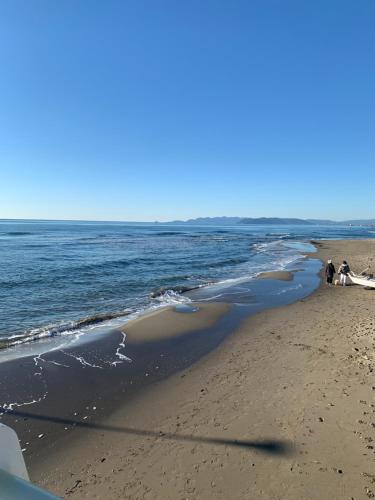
(276, 275)
(167, 323)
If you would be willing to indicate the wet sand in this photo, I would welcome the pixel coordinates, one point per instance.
(283, 409)
(169, 323)
(66, 389)
(276, 275)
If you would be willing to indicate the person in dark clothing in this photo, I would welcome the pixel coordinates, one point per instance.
(330, 271)
(344, 270)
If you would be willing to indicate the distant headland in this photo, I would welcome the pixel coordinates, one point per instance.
(230, 221)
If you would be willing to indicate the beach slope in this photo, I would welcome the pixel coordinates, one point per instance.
(283, 409)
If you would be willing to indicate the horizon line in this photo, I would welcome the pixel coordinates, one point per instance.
(20, 219)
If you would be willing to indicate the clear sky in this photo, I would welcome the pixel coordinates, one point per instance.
(164, 109)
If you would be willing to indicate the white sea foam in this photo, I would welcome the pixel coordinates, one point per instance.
(38, 360)
(120, 355)
(171, 297)
(277, 265)
(9, 406)
(278, 256)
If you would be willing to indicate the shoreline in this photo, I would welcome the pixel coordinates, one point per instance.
(162, 342)
(105, 364)
(212, 431)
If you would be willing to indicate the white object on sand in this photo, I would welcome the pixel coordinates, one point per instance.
(11, 458)
(14, 479)
(362, 280)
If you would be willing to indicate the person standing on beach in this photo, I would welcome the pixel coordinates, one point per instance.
(344, 270)
(330, 271)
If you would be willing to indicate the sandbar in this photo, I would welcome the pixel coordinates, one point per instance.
(276, 275)
(168, 323)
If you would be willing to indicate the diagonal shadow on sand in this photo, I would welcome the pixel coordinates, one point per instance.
(272, 446)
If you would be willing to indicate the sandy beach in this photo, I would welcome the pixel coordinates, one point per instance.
(177, 176)
(284, 408)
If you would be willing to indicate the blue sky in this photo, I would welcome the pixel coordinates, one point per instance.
(156, 110)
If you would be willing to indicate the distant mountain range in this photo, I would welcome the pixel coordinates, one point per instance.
(273, 221)
(231, 221)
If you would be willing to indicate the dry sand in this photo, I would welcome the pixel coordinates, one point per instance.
(299, 376)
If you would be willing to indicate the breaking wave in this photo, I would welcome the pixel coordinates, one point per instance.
(60, 329)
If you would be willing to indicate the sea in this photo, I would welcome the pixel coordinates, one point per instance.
(60, 278)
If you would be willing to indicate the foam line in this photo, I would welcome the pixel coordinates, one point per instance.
(81, 360)
(11, 406)
(121, 356)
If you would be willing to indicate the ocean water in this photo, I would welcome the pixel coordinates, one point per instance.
(62, 277)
